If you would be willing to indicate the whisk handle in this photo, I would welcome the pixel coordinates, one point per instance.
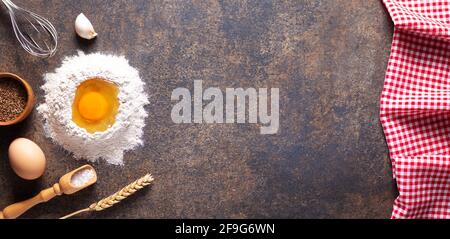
(17, 209)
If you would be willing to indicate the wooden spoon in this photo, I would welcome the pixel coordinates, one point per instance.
(63, 187)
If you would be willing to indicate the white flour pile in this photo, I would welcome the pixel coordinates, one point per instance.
(60, 88)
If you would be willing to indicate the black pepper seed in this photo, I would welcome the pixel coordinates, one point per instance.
(13, 99)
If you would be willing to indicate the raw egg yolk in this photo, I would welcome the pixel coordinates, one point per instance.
(95, 105)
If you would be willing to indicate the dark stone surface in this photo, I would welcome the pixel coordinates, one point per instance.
(328, 58)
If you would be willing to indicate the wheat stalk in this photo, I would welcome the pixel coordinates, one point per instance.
(116, 197)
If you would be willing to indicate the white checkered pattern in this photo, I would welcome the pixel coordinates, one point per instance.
(415, 107)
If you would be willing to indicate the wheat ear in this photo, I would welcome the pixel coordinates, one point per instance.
(116, 197)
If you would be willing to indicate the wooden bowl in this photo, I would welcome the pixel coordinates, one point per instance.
(30, 99)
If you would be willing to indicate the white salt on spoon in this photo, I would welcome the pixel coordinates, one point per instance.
(82, 177)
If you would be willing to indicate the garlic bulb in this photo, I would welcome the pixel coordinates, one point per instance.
(84, 27)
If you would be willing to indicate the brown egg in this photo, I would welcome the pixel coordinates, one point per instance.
(26, 159)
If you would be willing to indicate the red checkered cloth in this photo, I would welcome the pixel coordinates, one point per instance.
(415, 107)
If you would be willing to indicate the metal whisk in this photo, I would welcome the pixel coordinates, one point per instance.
(35, 33)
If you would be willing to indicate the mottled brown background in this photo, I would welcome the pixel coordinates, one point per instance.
(328, 58)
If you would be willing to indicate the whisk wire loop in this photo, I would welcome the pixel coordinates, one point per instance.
(35, 34)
